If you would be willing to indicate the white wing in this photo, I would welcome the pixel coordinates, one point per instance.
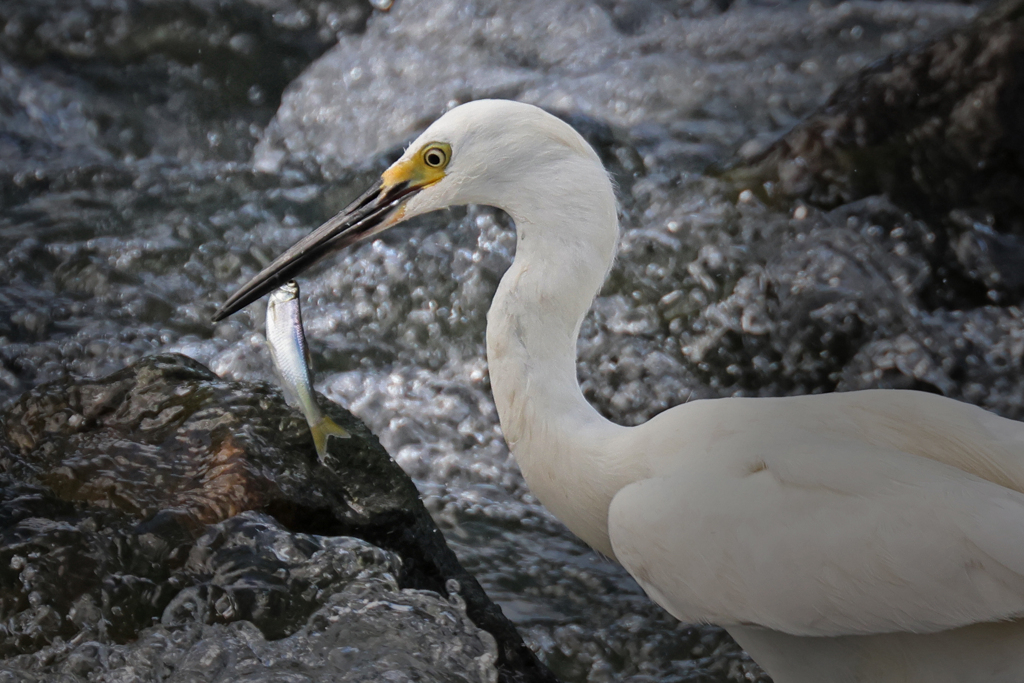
(852, 540)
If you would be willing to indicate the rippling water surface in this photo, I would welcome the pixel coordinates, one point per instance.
(111, 250)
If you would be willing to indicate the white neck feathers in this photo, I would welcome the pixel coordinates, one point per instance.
(566, 243)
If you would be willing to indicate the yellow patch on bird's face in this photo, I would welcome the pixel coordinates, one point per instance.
(423, 169)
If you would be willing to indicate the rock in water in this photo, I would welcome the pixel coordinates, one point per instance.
(939, 129)
(161, 519)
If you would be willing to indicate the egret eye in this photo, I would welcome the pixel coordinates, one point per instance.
(436, 156)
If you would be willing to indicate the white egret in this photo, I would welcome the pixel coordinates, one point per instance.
(872, 536)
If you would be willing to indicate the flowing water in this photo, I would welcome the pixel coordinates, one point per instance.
(111, 250)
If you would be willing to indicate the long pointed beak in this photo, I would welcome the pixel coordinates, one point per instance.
(374, 211)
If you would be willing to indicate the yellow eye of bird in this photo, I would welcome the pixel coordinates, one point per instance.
(436, 156)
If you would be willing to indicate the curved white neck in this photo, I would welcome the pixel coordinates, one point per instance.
(566, 243)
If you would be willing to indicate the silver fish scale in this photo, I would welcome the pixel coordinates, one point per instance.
(289, 350)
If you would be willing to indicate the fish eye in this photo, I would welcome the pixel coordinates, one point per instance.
(436, 155)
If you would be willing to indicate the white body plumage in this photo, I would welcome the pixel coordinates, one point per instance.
(871, 536)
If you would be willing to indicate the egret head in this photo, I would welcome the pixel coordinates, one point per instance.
(492, 152)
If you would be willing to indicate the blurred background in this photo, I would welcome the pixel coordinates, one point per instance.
(155, 154)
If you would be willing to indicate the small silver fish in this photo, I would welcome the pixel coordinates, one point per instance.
(291, 360)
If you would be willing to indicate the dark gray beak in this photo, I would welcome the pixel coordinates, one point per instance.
(360, 219)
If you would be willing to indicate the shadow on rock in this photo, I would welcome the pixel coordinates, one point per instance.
(162, 520)
(938, 129)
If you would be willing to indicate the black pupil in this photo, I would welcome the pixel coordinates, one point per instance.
(434, 158)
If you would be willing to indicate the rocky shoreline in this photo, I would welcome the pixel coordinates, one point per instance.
(162, 504)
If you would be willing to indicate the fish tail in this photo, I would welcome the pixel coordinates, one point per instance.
(323, 429)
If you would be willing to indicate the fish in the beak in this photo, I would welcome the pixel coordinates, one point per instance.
(290, 352)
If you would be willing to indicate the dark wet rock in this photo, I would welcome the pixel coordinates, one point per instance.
(211, 32)
(163, 519)
(260, 602)
(86, 87)
(938, 129)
